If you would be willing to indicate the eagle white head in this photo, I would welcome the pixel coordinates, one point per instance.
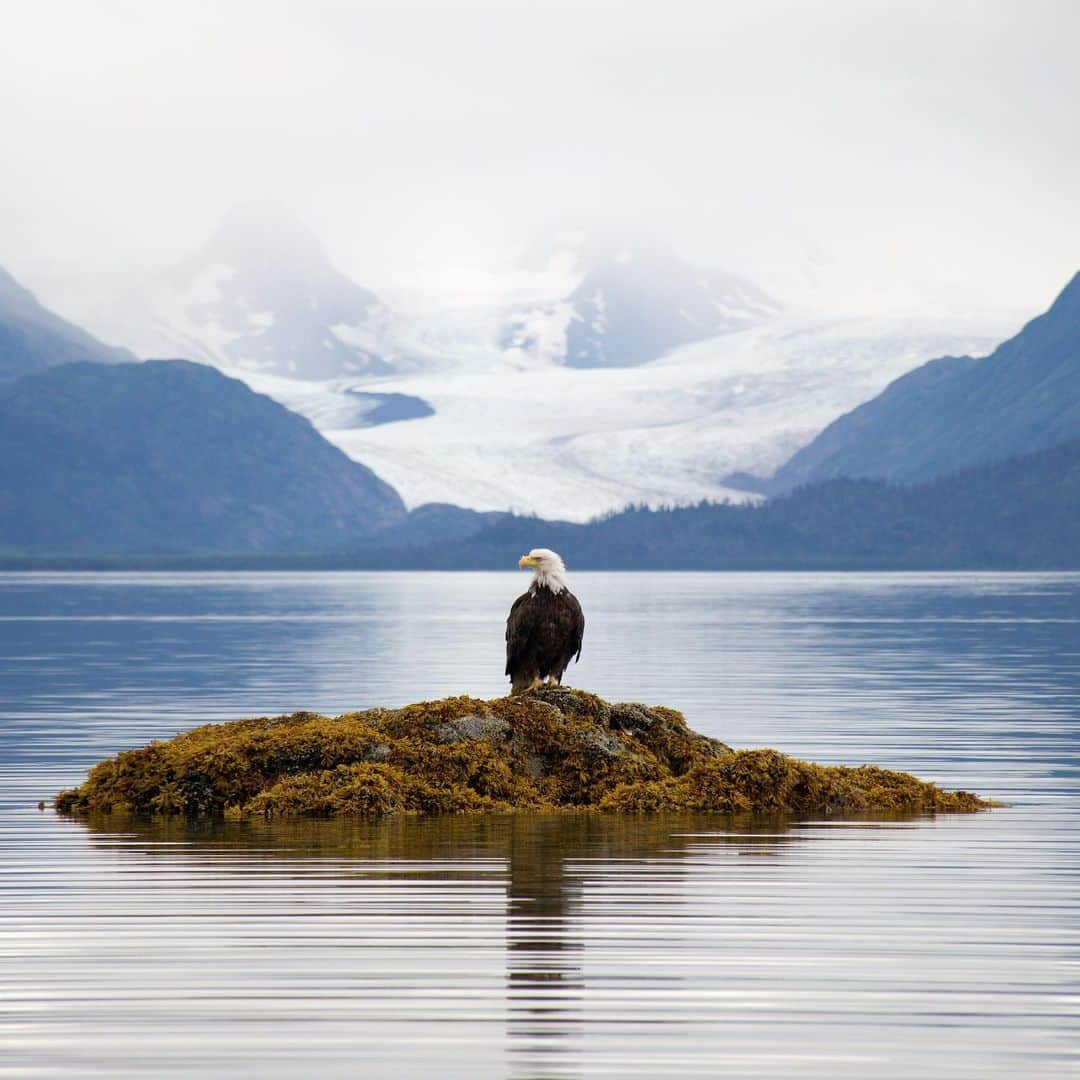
(548, 567)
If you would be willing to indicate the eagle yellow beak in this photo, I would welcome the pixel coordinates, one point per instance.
(526, 560)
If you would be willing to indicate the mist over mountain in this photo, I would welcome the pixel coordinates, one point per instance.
(260, 295)
(33, 338)
(447, 409)
(634, 303)
(172, 456)
(958, 411)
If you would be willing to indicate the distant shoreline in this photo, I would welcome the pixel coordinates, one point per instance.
(326, 563)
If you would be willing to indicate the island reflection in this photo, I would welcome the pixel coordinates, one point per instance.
(549, 866)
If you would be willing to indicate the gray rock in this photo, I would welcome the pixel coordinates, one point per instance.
(603, 743)
(472, 728)
(629, 717)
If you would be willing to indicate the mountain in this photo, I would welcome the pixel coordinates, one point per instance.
(260, 295)
(172, 456)
(464, 420)
(633, 306)
(435, 523)
(957, 411)
(32, 338)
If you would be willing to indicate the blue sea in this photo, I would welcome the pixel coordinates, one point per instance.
(532, 946)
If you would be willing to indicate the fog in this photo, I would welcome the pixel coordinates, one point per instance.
(856, 154)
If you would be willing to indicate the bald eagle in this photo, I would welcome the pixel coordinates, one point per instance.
(545, 625)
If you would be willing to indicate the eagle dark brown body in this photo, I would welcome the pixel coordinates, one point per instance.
(544, 628)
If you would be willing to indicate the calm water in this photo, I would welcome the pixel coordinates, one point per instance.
(537, 947)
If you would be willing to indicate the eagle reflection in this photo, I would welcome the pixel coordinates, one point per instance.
(544, 939)
(560, 868)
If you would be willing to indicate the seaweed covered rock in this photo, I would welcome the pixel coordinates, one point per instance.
(552, 749)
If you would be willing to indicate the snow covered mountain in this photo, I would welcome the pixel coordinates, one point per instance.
(261, 295)
(635, 304)
(650, 381)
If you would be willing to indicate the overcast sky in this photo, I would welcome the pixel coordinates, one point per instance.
(931, 150)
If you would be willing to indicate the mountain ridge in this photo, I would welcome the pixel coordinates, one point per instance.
(1018, 514)
(954, 412)
(169, 455)
(33, 338)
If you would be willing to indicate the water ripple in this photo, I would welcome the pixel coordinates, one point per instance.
(567, 946)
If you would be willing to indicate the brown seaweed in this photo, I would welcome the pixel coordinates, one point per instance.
(550, 750)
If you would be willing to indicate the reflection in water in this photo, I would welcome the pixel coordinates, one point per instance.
(555, 872)
(544, 947)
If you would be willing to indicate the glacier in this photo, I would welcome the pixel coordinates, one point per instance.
(526, 433)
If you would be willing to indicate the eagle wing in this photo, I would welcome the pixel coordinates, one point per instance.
(520, 624)
(578, 630)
